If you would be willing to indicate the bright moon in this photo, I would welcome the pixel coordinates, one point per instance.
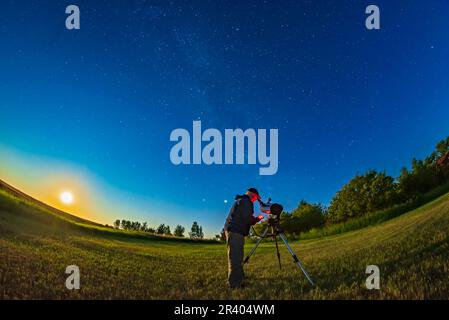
(66, 197)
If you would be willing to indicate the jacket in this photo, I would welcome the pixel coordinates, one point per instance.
(240, 217)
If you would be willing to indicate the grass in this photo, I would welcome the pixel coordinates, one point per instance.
(36, 245)
(376, 217)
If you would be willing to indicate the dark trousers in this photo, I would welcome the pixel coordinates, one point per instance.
(235, 243)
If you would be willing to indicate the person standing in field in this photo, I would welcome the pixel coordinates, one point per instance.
(237, 226)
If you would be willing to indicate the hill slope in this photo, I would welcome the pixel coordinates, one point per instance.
(36, 245)
(21, 195)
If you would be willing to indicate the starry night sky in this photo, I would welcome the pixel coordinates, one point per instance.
(105, 98)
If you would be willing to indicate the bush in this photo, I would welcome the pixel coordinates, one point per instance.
(362, 195)
(305, 217)
(377, 217)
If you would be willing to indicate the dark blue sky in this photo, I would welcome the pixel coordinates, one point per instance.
(106, 97)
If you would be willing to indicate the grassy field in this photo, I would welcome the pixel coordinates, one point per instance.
(37, 244)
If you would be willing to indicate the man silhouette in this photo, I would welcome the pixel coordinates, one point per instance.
(237, 226)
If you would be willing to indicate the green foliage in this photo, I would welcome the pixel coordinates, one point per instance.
(143, 227)
(364, 194)
(167, 231)
(196, 232)
(132, 226)
(422, 178)
(373, 191)
(305, 217)
(161, 229)
(376, 217)
(424, 174)
(442, 147)
(179, 231)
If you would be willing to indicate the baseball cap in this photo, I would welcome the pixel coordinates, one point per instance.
(254, 190)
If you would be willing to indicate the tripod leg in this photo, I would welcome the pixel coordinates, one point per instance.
(257, 244)
(295, 258)
(277, 250)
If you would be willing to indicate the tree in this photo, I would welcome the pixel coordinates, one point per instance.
(179, 231)
(135, 226)
(426, 174)
(161, 229)
(144, 227)
(196, 231)
(442, 147)
(423, 177)
(305, 217)
(167, 231)
(151, 230)
(363, 194)
(117, 224)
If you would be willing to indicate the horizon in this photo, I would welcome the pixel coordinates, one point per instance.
(94, 216)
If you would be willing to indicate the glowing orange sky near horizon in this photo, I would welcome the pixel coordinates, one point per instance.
(94, 199)
(49, 181)
(46, 178)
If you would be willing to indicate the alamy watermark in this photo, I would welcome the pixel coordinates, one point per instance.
(73, 21)
(373, 280)
(189, 147)
(372, 22)
(73, 280)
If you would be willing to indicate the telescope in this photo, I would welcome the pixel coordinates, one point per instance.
(273, 230)
(274, 209)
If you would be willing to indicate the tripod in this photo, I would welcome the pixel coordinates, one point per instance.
(273, 225)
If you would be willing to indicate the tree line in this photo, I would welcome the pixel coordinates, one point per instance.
(372, 191)
(364, 194)
(196, 231)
